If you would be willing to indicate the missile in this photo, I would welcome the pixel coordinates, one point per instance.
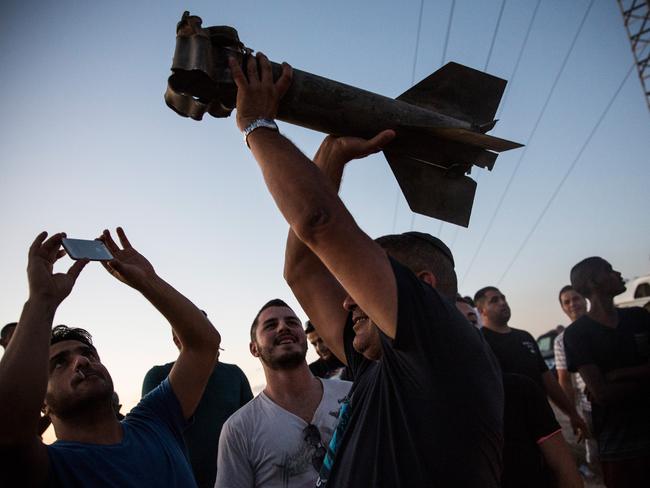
(441, 122)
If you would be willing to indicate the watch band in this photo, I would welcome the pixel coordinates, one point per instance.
(256, 124)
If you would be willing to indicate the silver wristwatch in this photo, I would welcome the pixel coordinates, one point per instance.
(256, 124)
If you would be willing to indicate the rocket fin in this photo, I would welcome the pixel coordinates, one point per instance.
(475, 138)
(460, 92)
(431, 191)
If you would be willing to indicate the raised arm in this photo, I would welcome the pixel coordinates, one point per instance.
(309, 202)
(199, 339)
(24, 366)
(319, 293)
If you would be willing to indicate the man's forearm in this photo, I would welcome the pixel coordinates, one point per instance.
(303, 194)
(24, 372)
(191, 326)
(618, 392)
(299, 259)
(564, 379)
(636, 373)
(555, 392)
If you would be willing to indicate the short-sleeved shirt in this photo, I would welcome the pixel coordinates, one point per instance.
(560, 363)
(151, 452)
(518, 353)
(528, 421)
(622, 429)
(263, 445)
(227, 390)
(430, 411)
(332, 368)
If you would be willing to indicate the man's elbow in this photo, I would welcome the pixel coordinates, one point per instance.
(210, 342)
(313, 225)
(215, 340)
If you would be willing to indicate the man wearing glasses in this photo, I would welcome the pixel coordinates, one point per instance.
(279, 438)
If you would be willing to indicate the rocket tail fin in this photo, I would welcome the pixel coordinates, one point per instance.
(460, 92)
(431, 191)
(474, 138)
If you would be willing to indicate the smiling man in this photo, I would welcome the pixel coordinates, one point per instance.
(60, 372)
(279, 438)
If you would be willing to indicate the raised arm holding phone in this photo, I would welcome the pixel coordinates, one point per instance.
(60, 372)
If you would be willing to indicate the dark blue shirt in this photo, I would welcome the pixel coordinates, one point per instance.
(227, 390)
(151, 453)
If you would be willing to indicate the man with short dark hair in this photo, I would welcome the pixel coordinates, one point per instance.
(6, 333)
(467, 310)
(574, 305)
(518, 352)
(226, 392)
(610, 349)
(278, 439)
(426, 385)
(60, 371)
(327, 365)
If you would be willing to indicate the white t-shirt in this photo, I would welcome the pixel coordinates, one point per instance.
(560, 363)
(264, 445)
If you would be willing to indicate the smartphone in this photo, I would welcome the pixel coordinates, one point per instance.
(85, 249)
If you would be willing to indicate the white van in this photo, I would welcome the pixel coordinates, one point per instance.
(637, 293)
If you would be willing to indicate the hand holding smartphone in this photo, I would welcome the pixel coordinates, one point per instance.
(86, 249)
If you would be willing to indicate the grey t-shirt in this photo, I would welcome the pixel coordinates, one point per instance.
(263, 444)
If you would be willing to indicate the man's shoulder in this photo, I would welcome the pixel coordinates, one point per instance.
(578, 328)
(161, 369)
(521, 333)
(335, 387)
(634, 314)
(246, 415)
(229, 369)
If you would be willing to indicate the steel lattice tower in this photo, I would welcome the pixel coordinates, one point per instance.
(636, 17)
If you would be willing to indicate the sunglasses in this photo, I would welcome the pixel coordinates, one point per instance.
(313, 439)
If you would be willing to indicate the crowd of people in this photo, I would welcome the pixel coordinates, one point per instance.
(415, 386)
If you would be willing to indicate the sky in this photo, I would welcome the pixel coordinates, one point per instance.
(87, 143)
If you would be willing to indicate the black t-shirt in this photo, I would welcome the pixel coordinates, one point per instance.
(527, 420)
(622, 429)
(429, 412)
(517, 353)
(330, 369)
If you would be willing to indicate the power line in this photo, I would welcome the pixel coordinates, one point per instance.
(505, 94)
(415, 60)
(566, 176)
(417, 42)
(494, 36)
(451, 18)
(530, 138)
(487, 62)
(521, 52)
(442, 62)
(510, 82)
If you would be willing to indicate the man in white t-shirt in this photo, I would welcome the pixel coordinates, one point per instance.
(574, 306)
(279, 438)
